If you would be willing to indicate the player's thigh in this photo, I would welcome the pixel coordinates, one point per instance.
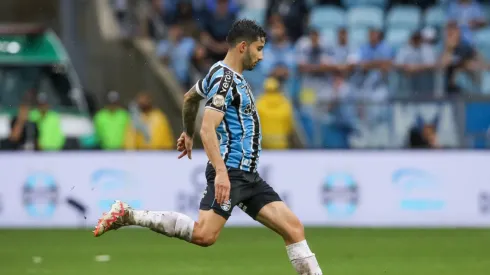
(267, 207)
(237, 191)
(279, 217)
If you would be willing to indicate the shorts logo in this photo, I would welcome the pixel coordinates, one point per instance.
(218, 101)
(226, 205)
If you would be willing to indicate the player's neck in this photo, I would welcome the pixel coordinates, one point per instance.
(233, 62)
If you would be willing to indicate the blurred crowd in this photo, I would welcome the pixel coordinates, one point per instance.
(338, 61)
(141, 126)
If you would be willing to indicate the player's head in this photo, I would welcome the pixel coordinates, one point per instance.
(247, 38)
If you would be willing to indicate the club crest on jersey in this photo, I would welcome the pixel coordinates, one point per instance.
(218, 101)
(249, 109)
(226, 206)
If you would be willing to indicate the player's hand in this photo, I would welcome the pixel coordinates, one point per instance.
(184, 145)
(222, 187)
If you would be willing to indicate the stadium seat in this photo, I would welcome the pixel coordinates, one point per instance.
(397, 37)
(486, 10)
(482, 37)
(485, 82)
(327, 17)
(404, 16)
(329, 35)
(357, 37)
(254, 14)
(356, 3)
(365, 17)
(378, 3)
(435, 16)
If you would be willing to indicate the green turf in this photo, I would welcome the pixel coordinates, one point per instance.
(246, 251)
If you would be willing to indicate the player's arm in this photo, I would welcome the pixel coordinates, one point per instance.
(211, 120)
(190, 109)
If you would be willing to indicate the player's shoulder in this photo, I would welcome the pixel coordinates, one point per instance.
(215, 71)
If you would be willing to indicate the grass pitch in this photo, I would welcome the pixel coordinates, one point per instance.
(246, 251)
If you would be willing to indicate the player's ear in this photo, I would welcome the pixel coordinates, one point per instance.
(242, 46)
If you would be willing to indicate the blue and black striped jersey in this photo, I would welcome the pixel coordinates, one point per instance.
(239, 133)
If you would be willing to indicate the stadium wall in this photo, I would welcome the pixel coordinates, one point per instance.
(329, 188)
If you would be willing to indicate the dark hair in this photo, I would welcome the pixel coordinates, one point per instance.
(245, 30)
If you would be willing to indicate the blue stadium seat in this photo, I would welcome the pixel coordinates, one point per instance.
(356, 3)
(327, 17)
(365, 17)
(486, 82)
(357, 37)
(482, 37)
(397, 37)
(253, 14)
(435, 16)
(378, 3)
(486, 9)
(329, 35)
(404, 16)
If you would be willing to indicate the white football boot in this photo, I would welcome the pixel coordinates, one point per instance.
(117, 217)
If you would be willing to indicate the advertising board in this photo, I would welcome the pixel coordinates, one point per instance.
(324, 188)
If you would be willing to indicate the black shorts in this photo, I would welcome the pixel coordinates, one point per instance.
(248, 190)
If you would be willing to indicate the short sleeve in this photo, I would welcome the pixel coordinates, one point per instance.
(201, 87)
(219, 97)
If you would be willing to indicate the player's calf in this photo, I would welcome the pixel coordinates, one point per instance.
(169, 223)
(278, 217)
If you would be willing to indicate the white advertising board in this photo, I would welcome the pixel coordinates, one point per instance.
(324, 188)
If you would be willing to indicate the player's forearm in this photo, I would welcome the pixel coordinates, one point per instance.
(190, 110)
(211, 146)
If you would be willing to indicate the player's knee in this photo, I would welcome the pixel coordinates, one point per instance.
(295, 231)
(203, 238)
(205, 241)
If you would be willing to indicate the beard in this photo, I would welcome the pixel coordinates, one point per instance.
(248, 64)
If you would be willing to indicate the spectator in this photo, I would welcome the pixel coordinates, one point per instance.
(111, 124)
(417, 62)
(22, 132)
(149, 129)
(314, 60)
(276, 113)
(232, 6)
(279, 55)
(375, 63)
(423, 135)
(458, 55)
(215, 26)
(161, 12)
(335, 106)
(293, 12)
(186, 17)
(342, 54)
(370, 81)
(468, 13)
(178, 53)
(48, 122)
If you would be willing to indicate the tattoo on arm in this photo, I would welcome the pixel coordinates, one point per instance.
(190, 110)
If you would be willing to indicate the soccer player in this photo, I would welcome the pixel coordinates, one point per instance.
(231, 173)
